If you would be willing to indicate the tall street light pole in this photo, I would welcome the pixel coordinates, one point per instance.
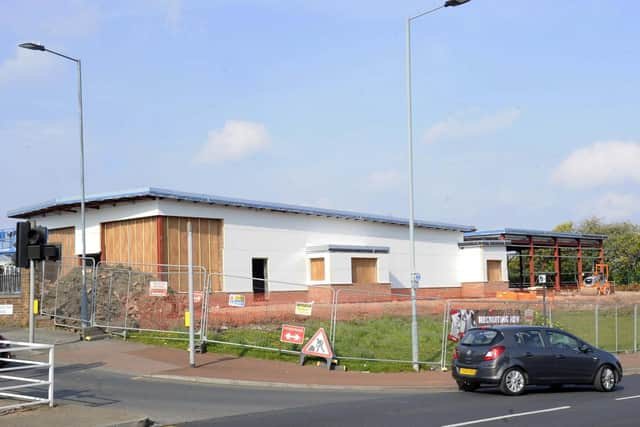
(83, 296)
(412, 257)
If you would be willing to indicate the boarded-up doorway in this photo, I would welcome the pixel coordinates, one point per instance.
(364, 270)
(494, 271)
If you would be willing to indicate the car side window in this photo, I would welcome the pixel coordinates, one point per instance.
(560, 341)
(530, 339)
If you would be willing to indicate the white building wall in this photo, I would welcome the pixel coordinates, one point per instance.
(496, 253)
(471, 268)
(282, 238)
(472, 265)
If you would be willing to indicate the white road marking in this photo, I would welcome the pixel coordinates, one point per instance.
(629, 397)
(504, 417)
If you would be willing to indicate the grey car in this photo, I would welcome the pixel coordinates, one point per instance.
(513, 357)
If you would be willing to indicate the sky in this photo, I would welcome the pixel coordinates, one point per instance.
(525, 112)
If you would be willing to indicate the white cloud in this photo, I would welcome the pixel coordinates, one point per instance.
(383, 180)
(25, 66)
(174, 13)
(612, 207)
(464, 127)
(237, 139)
(608, 162)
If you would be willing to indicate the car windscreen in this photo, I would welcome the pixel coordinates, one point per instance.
(481, 337)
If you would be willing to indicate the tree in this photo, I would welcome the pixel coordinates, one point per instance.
(621, 248)
(565, 227)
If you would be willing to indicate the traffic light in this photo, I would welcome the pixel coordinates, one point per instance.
(31, 244)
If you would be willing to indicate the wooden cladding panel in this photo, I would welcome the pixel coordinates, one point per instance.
(364, 270)
(64, 237)
(132, 241)
(207, 248)
(494, 271)
(317, 268)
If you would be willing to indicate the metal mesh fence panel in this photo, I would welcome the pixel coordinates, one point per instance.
(375, 325)
(577, 318)
(146, 298)
(465, 314)
(254, 320)
(59, 286)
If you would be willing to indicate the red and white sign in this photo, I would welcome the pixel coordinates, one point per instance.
(292, 334)
(197, 297)
(158, 289)
(318, 345)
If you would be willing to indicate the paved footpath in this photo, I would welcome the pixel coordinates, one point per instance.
(144, 361)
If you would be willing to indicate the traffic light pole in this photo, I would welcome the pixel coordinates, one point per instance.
(32, 291)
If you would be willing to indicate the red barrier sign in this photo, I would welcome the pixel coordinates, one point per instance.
(292, 334)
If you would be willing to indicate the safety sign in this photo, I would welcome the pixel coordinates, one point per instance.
(236, 300)
(158, 289)
(292, 334)
(304, 308)
(318, 345)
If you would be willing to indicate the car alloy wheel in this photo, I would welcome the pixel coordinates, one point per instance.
(513, 382)
(607, 378)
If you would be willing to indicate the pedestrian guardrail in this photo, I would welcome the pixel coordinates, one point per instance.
(26, 377)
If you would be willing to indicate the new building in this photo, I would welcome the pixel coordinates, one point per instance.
(275, 243)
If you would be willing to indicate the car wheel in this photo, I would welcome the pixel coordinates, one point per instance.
(605, 379)
(513, 382)
(466, 385)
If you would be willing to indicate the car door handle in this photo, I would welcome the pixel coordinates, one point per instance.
(528, 354)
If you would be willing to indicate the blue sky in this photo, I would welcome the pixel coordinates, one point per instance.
(525, 113)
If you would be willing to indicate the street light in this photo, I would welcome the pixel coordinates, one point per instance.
(83, 297)
(414, 278)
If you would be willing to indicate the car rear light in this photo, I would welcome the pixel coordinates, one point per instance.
(494, 353)
(455, 353)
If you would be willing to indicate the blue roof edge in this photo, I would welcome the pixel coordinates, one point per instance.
(218, 200)
(542, 233)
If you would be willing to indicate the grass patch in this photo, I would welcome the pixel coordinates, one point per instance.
(384, 338)
(388, 338)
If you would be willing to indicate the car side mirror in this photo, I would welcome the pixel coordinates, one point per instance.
(584, 348)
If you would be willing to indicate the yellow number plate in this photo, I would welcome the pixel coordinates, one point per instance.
(467, 371)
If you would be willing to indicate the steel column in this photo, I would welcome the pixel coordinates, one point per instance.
(579, 263)
(532, 266)
(556, 262)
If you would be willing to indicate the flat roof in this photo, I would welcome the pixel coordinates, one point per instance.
(533, 233)
(160, 193)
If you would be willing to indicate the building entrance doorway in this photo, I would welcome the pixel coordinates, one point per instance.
(259, 277)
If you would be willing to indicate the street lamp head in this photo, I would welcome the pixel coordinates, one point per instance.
(31, 46)
(452, 3)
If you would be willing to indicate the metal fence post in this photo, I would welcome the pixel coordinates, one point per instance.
(126, 306)
(51, 371)
(32, 286)
(616, 325)
(445, 317)
(192, 355)
(596, 331)
(635, 328)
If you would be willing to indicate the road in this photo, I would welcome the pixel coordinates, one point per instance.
(168, 402)
(576, 406)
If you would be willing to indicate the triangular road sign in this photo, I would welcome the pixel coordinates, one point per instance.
(318, 345)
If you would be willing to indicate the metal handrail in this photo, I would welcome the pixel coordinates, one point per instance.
(27, 383)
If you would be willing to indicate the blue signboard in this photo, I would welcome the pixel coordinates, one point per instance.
(7, 241)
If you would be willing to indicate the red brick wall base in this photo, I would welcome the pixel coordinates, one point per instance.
(20, 304)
